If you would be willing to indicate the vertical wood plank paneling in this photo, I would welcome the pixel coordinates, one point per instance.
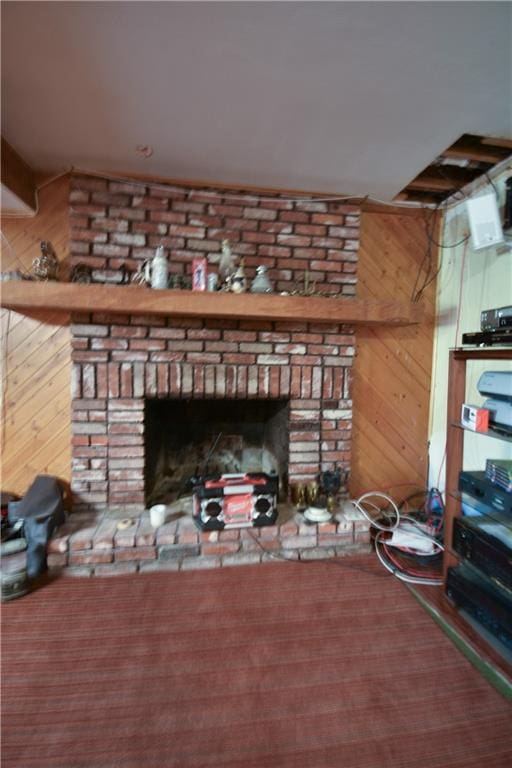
(392, 369)
(36, 430)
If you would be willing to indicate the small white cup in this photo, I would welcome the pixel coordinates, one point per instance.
(157, 515)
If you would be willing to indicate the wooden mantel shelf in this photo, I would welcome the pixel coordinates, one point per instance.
(31, 298)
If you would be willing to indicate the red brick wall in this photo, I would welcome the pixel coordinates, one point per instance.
(118, 361)
(117, 224)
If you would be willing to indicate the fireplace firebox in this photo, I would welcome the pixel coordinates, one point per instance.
(187, 440)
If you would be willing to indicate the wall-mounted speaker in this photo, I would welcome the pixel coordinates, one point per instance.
(484, 221)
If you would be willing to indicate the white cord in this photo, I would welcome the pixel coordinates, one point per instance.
(399, 574)
(362, 504)
(43, 184)
(310, 199)
(358, 504)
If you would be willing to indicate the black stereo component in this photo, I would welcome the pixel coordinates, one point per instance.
(488, 338)
(494, 319)
(487, 543)
(478, 485)
(235, 501)
(507, 219)
(487, 602)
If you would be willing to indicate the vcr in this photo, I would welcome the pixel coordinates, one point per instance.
(487, 602)
(478, 485)
(487, 543)
(494, 319)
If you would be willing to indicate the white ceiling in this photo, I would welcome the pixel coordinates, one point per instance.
(345, 97)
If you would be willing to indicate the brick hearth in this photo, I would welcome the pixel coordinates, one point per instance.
(91, 544)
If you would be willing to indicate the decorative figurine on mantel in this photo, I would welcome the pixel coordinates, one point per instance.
(261, 283)
(237, 283)
(45, 266)
(157, 271)
(226, 265)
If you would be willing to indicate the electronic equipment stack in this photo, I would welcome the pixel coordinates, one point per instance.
(495, 328)
(481, 583)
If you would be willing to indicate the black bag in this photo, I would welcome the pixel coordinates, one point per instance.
(42, 511)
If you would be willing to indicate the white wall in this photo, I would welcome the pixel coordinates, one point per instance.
(468, 282)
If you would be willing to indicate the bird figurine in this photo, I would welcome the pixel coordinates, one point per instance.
(45, 266)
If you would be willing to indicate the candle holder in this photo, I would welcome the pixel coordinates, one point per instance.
(330, 484)
(298, 495)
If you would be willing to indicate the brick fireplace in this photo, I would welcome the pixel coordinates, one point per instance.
(122, 362)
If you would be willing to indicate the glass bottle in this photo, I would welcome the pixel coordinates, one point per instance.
(159, 269)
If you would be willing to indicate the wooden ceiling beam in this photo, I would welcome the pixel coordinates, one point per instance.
(427, 183)
(443, 178)
(505, 143)
(440, 180)
(421, 196)
(18, 177)
(470, 147)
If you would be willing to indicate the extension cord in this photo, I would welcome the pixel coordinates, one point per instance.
(412, 541)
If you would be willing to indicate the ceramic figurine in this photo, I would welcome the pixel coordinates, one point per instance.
(238, 283)
(157, 271)
(261, 283)
(226, 264)
(45, 266)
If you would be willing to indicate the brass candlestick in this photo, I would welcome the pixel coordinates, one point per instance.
(298, 495)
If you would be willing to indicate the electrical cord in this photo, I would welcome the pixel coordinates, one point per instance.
(398, 572)
(340, 562)
(384, 523)
(363, 502)
(43, 184)
(406, 204)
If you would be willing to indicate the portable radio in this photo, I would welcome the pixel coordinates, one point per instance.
(235, 501)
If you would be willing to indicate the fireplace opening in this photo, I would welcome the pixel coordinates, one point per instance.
(194, 438)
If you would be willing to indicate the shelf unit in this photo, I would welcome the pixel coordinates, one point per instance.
(459, 359)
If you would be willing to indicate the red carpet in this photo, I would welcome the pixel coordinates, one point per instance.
(288, 665)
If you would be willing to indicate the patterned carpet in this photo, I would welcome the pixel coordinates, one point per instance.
(283, 665)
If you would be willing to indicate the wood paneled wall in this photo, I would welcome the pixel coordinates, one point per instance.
(392, 370)
(393, 366)
(36, 430)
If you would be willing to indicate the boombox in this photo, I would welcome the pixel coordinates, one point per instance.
(235, 501)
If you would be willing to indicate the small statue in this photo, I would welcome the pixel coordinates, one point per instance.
(226, 264)
(261, 283)
(237, 283)
(157, 270)
(45, 266)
